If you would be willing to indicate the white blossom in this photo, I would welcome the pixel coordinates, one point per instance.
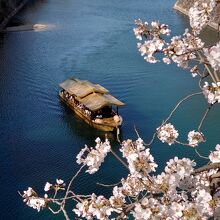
(31, 199)
(149, 209)
(36, 203)
(129, 147)
(194, 71)
(212, 92)
(140, 29)
(181, 49)
(59, 181)
(200, 13)
(195, 137)
(133, 185)
(141, 163)
(148, 49)
(176, 210)
(166, 60)
(213, 56)
(167, 133)
(202, 201)
(94, 208)
(117, 200)
(47, 186)
(95, 156)
(214, 156)
(183, 167)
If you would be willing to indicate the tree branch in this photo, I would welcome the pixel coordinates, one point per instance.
(206, 168)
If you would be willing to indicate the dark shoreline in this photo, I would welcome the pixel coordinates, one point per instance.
(183, 7)
(7, 19)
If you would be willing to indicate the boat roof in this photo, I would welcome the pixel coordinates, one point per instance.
(93, 96)
(81, 88)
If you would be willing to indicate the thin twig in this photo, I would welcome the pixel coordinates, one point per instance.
(184, 144)
(54, 212)
(201, 155)
(152, 139)
(65, 213)
(55, 193)
(70, 183)
(204, 117)
(136, 131)
(119, 159)
(108, 185)
(179, 103)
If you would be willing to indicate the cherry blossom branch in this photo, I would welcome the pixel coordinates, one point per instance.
(207, 168)
(213, 76)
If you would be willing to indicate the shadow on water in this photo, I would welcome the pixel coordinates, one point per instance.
(80, 128)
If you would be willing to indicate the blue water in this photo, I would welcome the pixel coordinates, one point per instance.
(92, 40)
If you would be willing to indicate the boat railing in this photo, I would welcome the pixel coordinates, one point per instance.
(95, 116)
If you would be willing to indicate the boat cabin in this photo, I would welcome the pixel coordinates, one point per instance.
(92, 102)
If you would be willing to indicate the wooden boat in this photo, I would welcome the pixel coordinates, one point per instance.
(92, 102)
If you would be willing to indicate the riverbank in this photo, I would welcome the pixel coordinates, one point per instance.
(11, 13)
(183, 6)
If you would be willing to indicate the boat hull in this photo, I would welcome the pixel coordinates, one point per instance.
(107, 124)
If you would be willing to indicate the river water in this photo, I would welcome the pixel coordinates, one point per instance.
(92, 40)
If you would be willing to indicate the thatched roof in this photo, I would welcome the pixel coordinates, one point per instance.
(81, 88)
(93, 96)
(96, 101)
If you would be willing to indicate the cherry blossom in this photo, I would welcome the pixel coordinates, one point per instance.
(202, 201)
(212, 92)
(95, 156)
(200, 14)
(59, 181)
(47, 186)
(213, 56)
(195, 137)
(181, 49)
(215, 155)
(133, 185)
(167, 133)
(98, 207)
(148, 49)
(141, 29)
(183, 167)
(32, 200)
(194, 70)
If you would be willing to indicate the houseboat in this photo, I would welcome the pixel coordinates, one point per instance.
(92, 102)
